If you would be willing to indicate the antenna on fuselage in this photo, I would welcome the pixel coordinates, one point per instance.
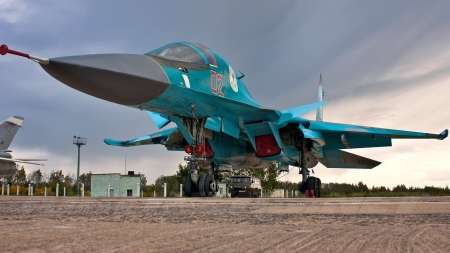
(240, 77)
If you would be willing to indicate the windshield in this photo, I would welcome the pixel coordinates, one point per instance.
(180, 52)
(240, 180)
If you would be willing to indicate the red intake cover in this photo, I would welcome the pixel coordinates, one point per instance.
(266, 145)
(209, 153)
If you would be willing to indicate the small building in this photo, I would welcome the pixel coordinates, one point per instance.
(116, 185)
(223, 192)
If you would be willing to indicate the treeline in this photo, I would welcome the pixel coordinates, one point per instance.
(270, 182)
(361, 190)
(39, 180)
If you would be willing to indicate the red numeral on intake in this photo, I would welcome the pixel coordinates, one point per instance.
(216, 83)
(213, 82)
(219, 80)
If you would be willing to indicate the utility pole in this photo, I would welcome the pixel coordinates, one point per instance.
(79, 141)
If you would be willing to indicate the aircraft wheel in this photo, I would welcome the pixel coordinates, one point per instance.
(319, 195)
(204, 185)
(302, 187)
(316, 187)
(310, 183)
(313, 186)
(189, 186)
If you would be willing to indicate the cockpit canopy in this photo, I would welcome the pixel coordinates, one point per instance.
(186, 52)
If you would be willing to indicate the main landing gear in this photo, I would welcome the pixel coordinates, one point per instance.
(196, 185)
(310, 186)
(205, 185)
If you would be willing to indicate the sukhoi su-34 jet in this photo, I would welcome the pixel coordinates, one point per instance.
(218, 123)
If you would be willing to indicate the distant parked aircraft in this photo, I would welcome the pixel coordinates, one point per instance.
(8, 129)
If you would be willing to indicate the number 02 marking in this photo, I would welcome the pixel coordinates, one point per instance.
(216, 83)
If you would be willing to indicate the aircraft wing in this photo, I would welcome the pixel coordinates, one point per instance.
(335, 137)
(28, 161)
(157, 138)
(392, 133)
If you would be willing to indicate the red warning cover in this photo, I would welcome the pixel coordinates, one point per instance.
(188, 149)
(209, 153)
(266, 145)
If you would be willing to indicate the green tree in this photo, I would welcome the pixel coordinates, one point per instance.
(20, 177)
(85, 179)
(400, 188)
(143, 181)
(56, 177)
(36, 177)
(70, 180)
(173, 187)
(182, 172)
(269, 183)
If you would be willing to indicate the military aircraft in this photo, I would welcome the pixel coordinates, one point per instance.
(218, 123)
(8, 129)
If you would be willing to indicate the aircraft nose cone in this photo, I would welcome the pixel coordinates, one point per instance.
(125, 79)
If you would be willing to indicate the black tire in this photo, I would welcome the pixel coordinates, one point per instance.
(316, 187)
(302, 187)
(310, 183)
(189, 186)
(320, 188)
(204, 185)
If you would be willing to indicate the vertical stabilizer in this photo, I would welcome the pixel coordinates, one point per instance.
(8, 129)
(319, 114)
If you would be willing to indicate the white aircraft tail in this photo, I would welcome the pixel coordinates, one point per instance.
(8, 129)
(319, 114)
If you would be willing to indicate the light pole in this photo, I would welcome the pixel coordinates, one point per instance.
(79, 141)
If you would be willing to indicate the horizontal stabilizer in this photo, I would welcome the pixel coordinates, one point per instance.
(156, 138)
(342, 159)
(292, 113)
(27, 161)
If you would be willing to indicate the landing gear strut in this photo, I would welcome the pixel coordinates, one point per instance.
(310, 186)
(198, 185)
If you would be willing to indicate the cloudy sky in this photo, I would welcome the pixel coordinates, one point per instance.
(384, 64)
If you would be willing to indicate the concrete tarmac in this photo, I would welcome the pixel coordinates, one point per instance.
(75, 224)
